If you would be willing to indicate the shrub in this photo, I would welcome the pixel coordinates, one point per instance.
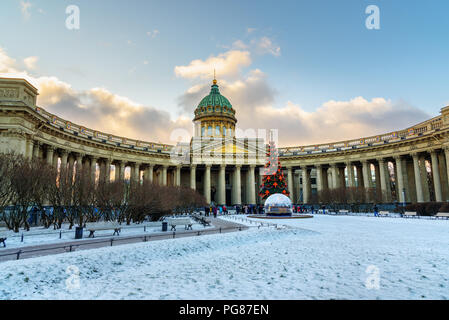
(432, 208)
(444, 207)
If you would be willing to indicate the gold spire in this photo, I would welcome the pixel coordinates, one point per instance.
(215, 80)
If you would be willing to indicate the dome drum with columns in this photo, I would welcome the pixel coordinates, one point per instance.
(214, 116)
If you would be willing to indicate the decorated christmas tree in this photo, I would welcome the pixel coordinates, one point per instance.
(273, 180)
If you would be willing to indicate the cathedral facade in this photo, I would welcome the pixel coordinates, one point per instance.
(407, 165)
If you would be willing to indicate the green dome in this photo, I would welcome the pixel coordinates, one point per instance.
(214, 104)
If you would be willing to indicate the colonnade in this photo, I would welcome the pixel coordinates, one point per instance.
(414, 177)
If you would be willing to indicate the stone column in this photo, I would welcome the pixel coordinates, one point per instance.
(93, 168)
(107, 170)
(319, 177)
(251, 187)
(164, 175)
(135, 172)
(334, 173)
(29, 149)
(150, 173)
(436, 176)
(178, 176)
(79, 163)
(366, 174)
(424, 183)
(446, 156)
(36, 147)
(222, 185)
(290, 182)
(383, 180)
(351, 178)
(238, 185)
(419, 191)
(400, 178)
(64, 158)
(207, 183)
(50, 153)
(193, 176)
(360, 182)
(71, 164)
(305, 185)
(122, 167)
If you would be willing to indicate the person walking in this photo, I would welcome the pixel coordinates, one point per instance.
(221, 209)
(215, 211)
(376, 210)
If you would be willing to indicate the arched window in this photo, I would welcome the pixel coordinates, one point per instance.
(203, 129)
(217, 130)
(224, 131)
(230, 132)
(209, 131)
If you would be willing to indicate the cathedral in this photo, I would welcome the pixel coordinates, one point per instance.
(405, 165)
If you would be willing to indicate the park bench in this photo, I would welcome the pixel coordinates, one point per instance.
(173, 222)
(410, 214)
(343, 211)
(384, 213)
(3, 236)
(442, 215)
(108, 225)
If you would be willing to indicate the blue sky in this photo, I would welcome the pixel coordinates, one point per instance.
(325, 52)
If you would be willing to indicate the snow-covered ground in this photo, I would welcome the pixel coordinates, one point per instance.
(326, 257)
(40, 235)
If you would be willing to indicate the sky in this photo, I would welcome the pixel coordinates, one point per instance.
(311, 69)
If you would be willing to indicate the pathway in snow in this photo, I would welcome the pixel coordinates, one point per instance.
(31, 251)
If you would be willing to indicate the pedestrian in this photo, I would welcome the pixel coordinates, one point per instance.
(376, 212)
(225, 210)
(324, 209)
(237, 209)
(312, 209)
(221, 209)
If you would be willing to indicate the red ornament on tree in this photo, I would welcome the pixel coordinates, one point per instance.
(273, 179)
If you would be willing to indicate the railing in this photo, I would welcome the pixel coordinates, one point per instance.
(19, 253)
(419, 129)
(102, 137)
(412, 132)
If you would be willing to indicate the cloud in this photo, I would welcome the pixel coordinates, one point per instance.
(254, 101)
(250, 30)
(265, 45)
(30, 62)
(98, 108)
(225, 64)
(24, 8)
(153, 34)
(7, 64)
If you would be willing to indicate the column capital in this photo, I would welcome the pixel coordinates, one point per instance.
(208, 165)
(397, 157)
(318, 166)
(380, 160)
(64, 152)
(49, 147)
(414, 155)
(193, 166)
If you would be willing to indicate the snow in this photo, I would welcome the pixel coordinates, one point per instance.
(40, 235)
(321, 258)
